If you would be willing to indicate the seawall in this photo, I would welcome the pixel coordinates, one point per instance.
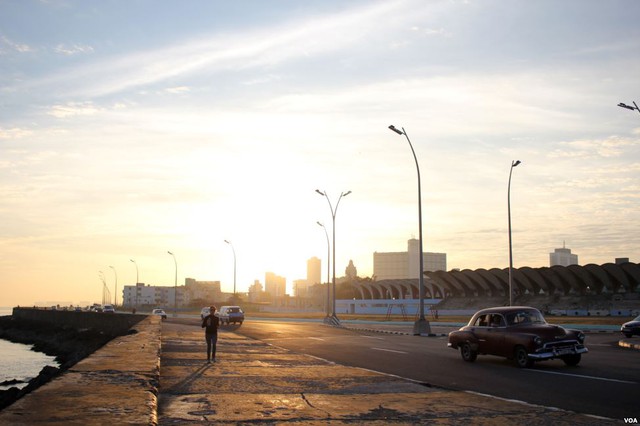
(117, 384)
(112, 324)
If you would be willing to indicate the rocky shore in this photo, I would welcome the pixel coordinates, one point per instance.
(68, 345)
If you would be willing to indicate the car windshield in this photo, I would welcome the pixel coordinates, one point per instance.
(525, 317)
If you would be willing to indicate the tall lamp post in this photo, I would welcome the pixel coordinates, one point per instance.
(137, 280)
(632, 108)
(175, 287)
(115, 296)
(234, 266)
(421, 326)
(328, 276)
(513, 164)
(334, 318)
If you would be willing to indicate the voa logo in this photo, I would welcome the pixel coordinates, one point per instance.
(632, 420)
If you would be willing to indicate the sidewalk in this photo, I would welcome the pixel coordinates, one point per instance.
(257, 383)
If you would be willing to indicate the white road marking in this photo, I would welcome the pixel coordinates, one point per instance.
(583, 376)
(316, 338)
(389, 350)
(373, 337)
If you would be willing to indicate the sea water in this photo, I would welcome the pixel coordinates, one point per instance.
(19, 362)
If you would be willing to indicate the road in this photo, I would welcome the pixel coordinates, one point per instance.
(606, 383)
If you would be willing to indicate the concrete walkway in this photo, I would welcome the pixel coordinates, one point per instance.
(257, 383)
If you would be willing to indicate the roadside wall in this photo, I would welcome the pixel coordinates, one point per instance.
(113, 324)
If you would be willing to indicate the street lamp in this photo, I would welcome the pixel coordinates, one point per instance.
(513, 164)
(137, 280)
(421, 325)
(632, 108)
(175, 287)
(334, 318)
(234, 266)
(328, 262)
(115, 296)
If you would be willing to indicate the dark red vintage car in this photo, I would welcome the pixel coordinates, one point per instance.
(519, 333)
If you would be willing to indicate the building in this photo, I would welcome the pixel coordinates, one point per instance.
(141, 295)
(275, 285)
(403, 265)
(314, 273)
(350, 272)
(562, 257)
(204, 291)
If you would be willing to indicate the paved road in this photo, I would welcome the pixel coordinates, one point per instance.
(606, 383)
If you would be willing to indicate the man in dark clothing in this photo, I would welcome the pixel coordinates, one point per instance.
(210, 323)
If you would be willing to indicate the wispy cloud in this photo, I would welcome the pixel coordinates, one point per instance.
(73, 49)
(7, 45)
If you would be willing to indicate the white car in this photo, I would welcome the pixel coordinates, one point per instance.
(108, 309)
(159, 312)
(204, 312)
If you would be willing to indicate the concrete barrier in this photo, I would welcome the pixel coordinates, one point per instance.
(112, 324)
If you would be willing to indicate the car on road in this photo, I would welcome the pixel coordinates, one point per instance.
(108, 309)
(632, 327)
(204, 312)
(230, 314)
(519, 333)
(160, 312)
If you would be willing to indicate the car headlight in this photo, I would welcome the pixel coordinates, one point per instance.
(581, 337)
(537, 340)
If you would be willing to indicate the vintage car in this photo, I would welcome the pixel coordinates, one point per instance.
(632, 327)
(519, 333)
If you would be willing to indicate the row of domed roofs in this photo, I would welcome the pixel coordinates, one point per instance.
(561, 280)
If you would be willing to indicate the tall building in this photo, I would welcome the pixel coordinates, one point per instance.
(314, 274)
(562, 257)
(351, 272)
(402, 265)
(275, 285)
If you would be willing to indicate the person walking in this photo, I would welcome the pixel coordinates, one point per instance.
(210, 324)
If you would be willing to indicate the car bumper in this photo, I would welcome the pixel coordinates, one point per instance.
(551, 353)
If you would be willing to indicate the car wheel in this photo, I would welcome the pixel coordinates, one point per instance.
(521, 357)
(572, 359)
(467, 353)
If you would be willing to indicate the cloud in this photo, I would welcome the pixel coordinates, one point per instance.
(8, 45)
(73, 49)
(71, 109)
(14, 133)
(263, 47)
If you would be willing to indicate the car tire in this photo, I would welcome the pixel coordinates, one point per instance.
(467, 353)
(521, 357)
(572, 360)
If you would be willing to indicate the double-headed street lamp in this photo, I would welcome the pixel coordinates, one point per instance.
(632, 108)
(175, 287)
(328, 262)
(334, 318)
(115, 296)
(234, 266)
(513, 164)
(421, 326)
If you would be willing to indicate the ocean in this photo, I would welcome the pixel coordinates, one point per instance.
(19, 362)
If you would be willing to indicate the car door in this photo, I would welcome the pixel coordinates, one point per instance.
(491, 334)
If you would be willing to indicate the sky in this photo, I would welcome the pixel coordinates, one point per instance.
(132, 128)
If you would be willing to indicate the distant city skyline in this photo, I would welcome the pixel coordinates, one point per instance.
(130, 130)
